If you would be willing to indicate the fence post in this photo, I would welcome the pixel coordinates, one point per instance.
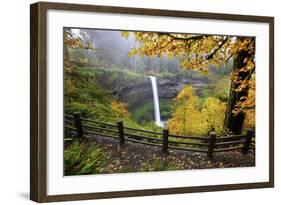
(165, 140)
(248, 141)
(78, 124)
(121, 133)
(212, 141)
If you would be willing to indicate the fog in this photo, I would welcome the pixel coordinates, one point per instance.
(111, 49)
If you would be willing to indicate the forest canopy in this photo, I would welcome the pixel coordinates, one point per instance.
(198, 52)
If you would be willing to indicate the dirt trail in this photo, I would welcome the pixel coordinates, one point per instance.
(132, 157)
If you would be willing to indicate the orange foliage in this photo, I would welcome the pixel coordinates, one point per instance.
(119, 109)
(189, 118)
(198, 52)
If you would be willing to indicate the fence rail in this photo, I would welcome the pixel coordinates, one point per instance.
(78, 127)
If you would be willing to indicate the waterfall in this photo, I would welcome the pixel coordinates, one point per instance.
(157, 116)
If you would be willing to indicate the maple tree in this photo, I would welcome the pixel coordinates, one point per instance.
(190, 118)
(198, 52)
(186, 117)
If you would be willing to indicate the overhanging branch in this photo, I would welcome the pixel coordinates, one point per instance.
(211, 55)
(195, 37)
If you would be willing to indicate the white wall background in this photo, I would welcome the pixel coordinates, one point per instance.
(14, 103)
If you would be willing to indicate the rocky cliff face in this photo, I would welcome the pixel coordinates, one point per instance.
(134, 94)
(141, 91)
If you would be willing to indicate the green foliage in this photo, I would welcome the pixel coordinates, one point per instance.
(77, 107)
(72, 157)
(159, 165)
(145, 112)
(165, 105)
(115, 76)
(218, 88)
(165, 114)
(84, 94)
(151, 126)
(84, 158)
(80, 159)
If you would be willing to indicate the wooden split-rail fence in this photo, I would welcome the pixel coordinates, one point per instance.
(80, 127)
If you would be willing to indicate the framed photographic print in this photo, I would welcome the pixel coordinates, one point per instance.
(135, 102)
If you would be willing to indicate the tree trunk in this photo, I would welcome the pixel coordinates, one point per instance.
(232, 122)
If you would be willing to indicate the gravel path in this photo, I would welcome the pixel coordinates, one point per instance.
(133, 156)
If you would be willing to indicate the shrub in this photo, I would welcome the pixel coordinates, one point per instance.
(190, 119)
(82, 159)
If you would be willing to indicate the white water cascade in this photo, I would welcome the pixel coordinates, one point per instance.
(157, 116)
